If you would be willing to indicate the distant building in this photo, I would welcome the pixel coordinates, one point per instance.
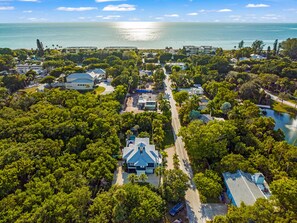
(147, 102)
(245, 187)
(141, 157)
(193, 90)
(80, 49)
(182, 66)
(194, 50)
(191, 50)
(171, 50)
(257, 57)
(145, 72)
(207, 50)
(24, 68)
(120, 48)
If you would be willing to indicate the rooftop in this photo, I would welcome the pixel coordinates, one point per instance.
(246, 187)
(141, 152)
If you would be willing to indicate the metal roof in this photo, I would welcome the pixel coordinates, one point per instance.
(242, 188)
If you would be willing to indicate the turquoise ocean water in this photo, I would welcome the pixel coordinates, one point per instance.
(142, 34)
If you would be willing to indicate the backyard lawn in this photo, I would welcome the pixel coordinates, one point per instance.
(99, 90)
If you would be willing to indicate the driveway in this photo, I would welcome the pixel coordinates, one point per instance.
(170, 153)
(212, 210)
(108, 88)
(120, 177)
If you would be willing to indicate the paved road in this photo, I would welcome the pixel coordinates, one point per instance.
(194, 207)
(275, 98)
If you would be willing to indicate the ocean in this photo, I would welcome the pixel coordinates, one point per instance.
(144, 35)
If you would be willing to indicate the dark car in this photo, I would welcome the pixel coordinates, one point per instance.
(178, 207)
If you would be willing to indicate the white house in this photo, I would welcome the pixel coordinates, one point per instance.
(258, 57)
(98, 73)
(80, 81)
(147, 102)
(24, 68)
(141, 157)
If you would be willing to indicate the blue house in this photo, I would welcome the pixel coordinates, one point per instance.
(245, 187)
(141, 157)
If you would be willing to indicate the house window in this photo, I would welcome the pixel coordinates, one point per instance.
(151, 164)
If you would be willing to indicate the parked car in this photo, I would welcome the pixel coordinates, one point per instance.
(178, 207)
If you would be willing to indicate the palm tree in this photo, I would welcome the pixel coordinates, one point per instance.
(133, 178)
(164, 105)
(159, 172)
(143, 177)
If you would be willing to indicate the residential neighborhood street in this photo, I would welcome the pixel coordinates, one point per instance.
(194, 207)
(277, 99)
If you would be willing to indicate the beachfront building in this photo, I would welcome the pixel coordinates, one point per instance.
(121, 48)
(140, 156)
(191, 50)
(245, 187)
(194, 50)
(208, 50)
(80, 49)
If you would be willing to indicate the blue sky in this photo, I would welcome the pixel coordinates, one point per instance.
(148, 10)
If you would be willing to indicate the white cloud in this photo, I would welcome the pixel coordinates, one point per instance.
(159, 18)
(79, 9)
(27, 11)
(111, 17)
(172, 15)
(192, 14)
(100, 1)
(224, 10)
(37, 19)
(5, 8)
(120, 8)
(257, 6)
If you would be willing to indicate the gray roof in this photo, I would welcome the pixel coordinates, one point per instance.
(242, 188)
(98, 71)
(75, 76)
(82, 80)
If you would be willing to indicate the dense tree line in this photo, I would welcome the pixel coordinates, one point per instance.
(245, 141)
(56, 159)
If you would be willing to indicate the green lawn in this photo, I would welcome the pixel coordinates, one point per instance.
(99, 90)
(169, 139)
(279, 107)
